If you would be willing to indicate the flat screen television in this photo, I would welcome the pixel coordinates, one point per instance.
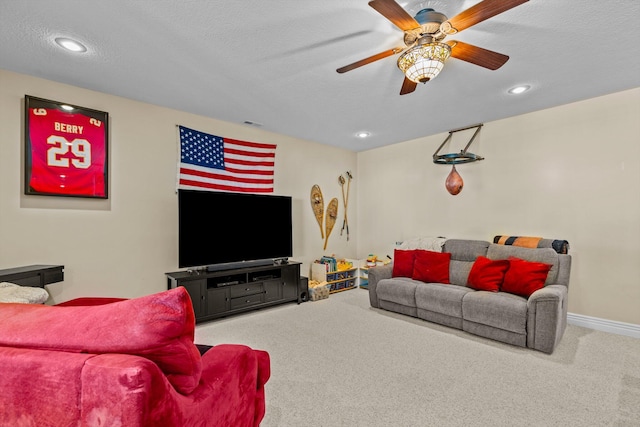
(220, 230)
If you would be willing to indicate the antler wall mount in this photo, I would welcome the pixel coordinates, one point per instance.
(424, 53)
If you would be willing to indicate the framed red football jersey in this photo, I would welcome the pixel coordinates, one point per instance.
(66, 149)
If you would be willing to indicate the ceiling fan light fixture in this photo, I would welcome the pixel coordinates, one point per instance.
(424, 62)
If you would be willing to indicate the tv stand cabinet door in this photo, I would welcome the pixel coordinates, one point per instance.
(219, 301)
(272, 290)
(290, 282)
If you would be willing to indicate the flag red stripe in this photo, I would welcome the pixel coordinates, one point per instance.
(249, 171)
(251, 144)
(246, 153)
(248, 162)
(224, 187)
(225, 177)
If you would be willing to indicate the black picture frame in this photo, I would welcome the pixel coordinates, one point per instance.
(66, 149)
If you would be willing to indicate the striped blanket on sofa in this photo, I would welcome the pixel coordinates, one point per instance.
(560, 246)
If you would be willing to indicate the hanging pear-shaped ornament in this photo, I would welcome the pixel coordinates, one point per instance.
(454, 182)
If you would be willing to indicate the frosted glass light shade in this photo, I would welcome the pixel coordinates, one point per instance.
(424, 62)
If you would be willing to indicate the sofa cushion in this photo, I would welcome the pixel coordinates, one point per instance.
(524, 277)
(41, 388)
(440, 298)
(465, 250)
(497, 309)
(544, 255)
(159, 327)
(459, 272)
(431, 267)
(398, 290)
(487, 275)
(403, 263)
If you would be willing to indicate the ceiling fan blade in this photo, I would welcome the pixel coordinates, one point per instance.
(395, 13)
(369, 60)
(477, 55)
(408, 86)
(482, 11)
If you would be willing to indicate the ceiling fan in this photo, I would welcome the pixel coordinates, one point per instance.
(424, 55)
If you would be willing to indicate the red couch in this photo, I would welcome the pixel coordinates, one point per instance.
(128, 363)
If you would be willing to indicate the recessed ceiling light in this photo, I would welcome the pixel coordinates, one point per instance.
(71, 45)
(519, 89)
(362, 134)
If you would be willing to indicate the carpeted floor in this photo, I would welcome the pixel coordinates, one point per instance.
(340, 363)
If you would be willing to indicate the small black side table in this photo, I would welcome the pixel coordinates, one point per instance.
(33, 275)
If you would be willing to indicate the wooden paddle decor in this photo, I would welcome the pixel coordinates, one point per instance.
(454, 182)
(346, 203)
(317, 205)
(330, 220)
(342, 181)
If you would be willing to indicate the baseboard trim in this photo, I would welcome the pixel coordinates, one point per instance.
(620, 328)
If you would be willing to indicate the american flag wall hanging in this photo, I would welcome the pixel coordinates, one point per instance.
(214, 163)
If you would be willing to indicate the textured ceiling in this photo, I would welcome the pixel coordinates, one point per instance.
(274, 62)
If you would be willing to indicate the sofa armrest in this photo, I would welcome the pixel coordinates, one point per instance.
(133, 390)
(40, 387)
(546, 317)
(375, 275)
(244, 401)
(122, 387)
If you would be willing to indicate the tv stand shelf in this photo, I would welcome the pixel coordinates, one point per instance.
(222, 293)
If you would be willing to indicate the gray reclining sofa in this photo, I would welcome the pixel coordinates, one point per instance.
(537, 322)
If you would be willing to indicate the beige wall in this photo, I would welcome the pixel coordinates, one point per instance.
(123, 246)
(570, 172)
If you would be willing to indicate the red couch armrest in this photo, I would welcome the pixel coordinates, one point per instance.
(133, 390)
(248, 408)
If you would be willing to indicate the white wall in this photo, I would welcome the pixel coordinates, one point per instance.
(570, 172)
(123, 246)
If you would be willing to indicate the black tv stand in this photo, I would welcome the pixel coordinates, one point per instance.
(229, 291)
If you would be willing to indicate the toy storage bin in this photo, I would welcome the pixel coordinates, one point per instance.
(319, 292)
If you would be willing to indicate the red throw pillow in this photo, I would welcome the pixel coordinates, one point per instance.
(403, 263)
(525, 277)
(431, 267)
(486, 274)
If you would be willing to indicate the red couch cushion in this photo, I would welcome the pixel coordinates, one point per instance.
(402, 263)
(159, 327)
(487, 275)
(431, 266)
(525, 277)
